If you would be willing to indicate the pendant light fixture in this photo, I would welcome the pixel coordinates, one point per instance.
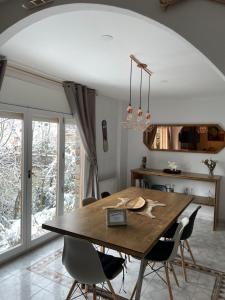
(130, 108)
(148, 115)
(140, 111)
(135, 118)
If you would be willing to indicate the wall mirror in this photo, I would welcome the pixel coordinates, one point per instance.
(203, 138)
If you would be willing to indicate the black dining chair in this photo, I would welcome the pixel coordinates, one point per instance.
(105, 194)
(184, 244)
(164, 253)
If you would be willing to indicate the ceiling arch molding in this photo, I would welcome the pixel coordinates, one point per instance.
(200, 22)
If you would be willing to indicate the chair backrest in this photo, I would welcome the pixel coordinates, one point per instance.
(87, 201)
(189, 228)
(159, 187)
(82, 261)
(177, 236)
(105, 194)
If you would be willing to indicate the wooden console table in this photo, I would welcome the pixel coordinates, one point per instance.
(141, 173)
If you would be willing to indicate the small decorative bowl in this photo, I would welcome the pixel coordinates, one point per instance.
(169, 171)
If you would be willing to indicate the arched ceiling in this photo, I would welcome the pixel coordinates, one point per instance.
(201, 22)
(71, 46)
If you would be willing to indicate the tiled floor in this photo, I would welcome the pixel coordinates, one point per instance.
(16, 282)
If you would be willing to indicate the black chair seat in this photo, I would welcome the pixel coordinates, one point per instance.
(105, 194)
(161, 251)
(112, 265)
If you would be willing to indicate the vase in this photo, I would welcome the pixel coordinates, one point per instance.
(211, 173)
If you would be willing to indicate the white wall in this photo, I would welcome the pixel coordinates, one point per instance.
(107, 109)
(20, 89)
(185, 111)
(112, 164)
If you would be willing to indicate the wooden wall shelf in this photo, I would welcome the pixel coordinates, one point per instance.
(140, 173)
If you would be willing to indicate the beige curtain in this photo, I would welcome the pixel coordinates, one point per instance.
(82, 103)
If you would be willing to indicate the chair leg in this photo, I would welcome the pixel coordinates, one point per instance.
(183, 262)
(71, 290)
(102, 249)
(174, 274)
(189, 250)
(111, 290)
(94, 292)
(168, 280)
(134, 290)
(86, 289)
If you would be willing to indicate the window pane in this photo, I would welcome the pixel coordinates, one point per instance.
(44, 174)
(10, 182)
(72, 177)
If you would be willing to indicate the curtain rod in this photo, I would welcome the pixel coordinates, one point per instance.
(30, 107)
(45, 77)
(10, 66)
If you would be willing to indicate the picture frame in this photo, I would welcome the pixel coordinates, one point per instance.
(116, 217)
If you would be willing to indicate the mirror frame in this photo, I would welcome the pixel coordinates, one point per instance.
(183, 150)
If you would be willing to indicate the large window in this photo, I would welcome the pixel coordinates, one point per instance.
(44, 173)
(11, 196)
(73, 175)
(40, 175)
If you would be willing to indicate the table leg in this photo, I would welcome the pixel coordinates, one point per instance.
(105, 294)
(140, 278)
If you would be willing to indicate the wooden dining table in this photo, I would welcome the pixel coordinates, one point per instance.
(140, 234)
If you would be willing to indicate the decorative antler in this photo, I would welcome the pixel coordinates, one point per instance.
(220, 1)
(165, 3)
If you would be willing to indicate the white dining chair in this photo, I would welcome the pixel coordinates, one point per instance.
(88, 266)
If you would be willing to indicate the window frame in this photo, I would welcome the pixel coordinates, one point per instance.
(27, 115)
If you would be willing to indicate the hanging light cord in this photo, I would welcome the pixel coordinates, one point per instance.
(131, 69)
(140, 89)
(149, 80)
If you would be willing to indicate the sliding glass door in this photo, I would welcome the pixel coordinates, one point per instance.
(73, 170)
(11, 187)
(44, 173)
(40, 175)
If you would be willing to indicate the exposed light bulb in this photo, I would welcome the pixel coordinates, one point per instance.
(129, 109)
(140, 112)
(129, 116)
(148, 118)
(139, 115)
(129, 113)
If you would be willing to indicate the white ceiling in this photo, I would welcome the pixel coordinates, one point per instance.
(70, 46)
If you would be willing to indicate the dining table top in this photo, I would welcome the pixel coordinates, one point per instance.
(141, 232)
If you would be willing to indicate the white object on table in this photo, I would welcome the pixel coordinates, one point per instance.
(151, 205)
